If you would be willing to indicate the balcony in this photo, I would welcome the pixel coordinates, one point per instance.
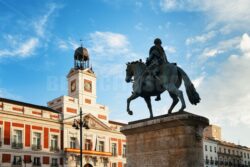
(17, 145)
(54, 165)
(54, 149)
(16, 164)
(36, 147)
(36, 165)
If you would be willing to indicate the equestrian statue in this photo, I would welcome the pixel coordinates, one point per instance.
(157, 75)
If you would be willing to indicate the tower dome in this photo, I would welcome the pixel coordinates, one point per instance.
(81, 58)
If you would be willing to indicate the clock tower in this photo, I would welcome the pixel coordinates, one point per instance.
(82, 79)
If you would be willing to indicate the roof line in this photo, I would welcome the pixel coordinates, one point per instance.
(28, 104)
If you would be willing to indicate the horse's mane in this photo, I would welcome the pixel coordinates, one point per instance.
(137, 62)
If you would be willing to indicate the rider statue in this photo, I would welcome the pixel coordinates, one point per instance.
(156, 58)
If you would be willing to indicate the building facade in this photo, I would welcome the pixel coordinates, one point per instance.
(219, 153)
(32, 135)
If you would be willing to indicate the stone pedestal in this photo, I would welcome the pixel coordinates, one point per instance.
(166, 141)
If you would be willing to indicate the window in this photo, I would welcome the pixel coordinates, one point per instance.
(124, 150)
(101, 146)
(17, 160)
(72, 142)
(54, 162)
(233, 152)
(211, 149)
(205, 147)
(113, 149)
(245, 155)
(215, 150)
(113, 165)
(17, 136)
(88, 144)
(248, 155)
(229, 151)
(54, 143)
(36, 141)
(219, 149)
(36, 161)
(17, 139)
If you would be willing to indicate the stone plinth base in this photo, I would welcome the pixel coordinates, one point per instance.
(166, 141)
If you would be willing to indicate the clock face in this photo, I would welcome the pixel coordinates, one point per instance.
(73, 85)
(87, 85)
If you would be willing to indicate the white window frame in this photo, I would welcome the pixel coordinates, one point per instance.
(72, 142)
(99, 145)
(41, 138)
(115, 149)
(58, 140)
(12, 134)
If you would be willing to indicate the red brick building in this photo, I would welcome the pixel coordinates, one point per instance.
(33, 135)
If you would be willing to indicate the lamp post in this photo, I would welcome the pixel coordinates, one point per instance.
(79, 124)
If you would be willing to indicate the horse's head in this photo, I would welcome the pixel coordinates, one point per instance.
(134, 70)
(129, 72)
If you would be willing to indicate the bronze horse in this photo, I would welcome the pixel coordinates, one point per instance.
(170, 78)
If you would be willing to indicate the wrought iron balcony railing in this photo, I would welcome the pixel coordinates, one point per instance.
(54, 149)
(16, 164)
(54, 165)
(36, 164)
(17, 145)
(36, 147)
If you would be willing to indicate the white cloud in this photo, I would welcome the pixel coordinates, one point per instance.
(225, 95)
(234, 14)
(67, 44)
(40, 25)
(201, 38)
(23, 48)
(109, 43)
(211, 52)
(221, 47)
(169, 49)
(245, 45)
(198, 81)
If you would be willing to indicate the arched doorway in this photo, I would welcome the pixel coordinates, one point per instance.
(88, 165)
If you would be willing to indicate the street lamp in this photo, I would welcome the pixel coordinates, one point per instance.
(79, 124)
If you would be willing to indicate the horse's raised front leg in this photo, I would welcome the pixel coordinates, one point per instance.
(175, 101)
(132, 97)
(148, 101)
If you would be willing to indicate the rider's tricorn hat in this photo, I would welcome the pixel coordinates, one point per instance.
(157, 41)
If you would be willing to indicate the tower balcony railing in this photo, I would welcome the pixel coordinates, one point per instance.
(36, 147)
(16, 145)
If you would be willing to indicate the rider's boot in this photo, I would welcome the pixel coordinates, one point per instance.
(158, 98)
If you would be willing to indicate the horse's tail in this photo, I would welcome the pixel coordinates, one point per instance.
(193, 96)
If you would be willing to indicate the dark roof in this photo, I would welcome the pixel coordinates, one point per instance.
(117, 123)
(28, 105)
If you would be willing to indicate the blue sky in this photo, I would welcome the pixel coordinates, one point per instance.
(208, 39)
